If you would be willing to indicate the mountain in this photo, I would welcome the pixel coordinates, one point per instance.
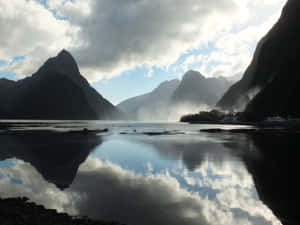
(196, 89)
(270, 84)
(171, 99)
(235, 78)
(151, 105)
(56, 91)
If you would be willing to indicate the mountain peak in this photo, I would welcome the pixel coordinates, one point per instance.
(63, 63)
(65, 58)
(56, 91)
(64, 54)
(192, 75)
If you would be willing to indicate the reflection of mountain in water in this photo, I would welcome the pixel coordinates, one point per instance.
(56, 156)
(275, 175)
(271, 160)
(274, 169)
(192, 151)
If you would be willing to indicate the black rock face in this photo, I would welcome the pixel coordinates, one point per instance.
(273, 73)
(196, 89)
(56, 91)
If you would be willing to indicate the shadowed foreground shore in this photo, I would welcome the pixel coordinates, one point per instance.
(20, 211)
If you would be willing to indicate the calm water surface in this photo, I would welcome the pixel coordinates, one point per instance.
(185, 179)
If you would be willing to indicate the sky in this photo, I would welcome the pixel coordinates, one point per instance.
(127, 47)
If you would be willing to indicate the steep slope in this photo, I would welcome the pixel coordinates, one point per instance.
(151, 105)
(5, 87)
(56, 91)
(270, 82)
(196, 89)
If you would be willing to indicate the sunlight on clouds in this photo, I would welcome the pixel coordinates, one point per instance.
(30, 30)
(234, 49)
(110, 37)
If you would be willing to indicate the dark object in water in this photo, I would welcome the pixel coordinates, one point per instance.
(163, 133)
(87, 131)
(156, 133)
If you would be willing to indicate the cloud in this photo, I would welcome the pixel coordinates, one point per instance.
(233, 49)
(110, 37)
(121, 35)
(30, 30)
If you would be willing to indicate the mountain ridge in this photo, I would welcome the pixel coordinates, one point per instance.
(162, 103)
(56, 91)
(269, 85)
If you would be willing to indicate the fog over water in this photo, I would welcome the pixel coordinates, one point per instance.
(171, 113)
(189, 178)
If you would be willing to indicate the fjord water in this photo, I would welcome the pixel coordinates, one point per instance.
(127, 176)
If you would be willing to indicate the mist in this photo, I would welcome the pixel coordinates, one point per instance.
(171, 112)
(245, 99)
(175, 98)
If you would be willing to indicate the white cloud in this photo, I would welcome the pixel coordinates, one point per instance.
(110, 37)
(30, 30)
(121, 35)
(233, 49)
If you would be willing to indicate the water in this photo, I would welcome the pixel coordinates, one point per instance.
(187, 178)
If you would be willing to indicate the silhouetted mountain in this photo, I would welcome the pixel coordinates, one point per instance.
(235, 78)
(273, 73)
(57, 156)
(196, 89)
(56, 91)
(150, 105)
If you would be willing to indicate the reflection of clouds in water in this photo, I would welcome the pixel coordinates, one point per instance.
(105, 190)
(134, 199)
(160, 198)
(32, 186)
(225, 174)
(233, 187)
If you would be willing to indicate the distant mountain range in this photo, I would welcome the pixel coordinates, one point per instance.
(196, 89)
(167, 101)
(270, 86)
(153, 105)
(56, 91)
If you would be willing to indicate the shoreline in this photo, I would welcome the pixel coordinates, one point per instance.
(21, 211)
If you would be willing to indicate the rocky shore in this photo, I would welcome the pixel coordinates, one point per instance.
(20, 211)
